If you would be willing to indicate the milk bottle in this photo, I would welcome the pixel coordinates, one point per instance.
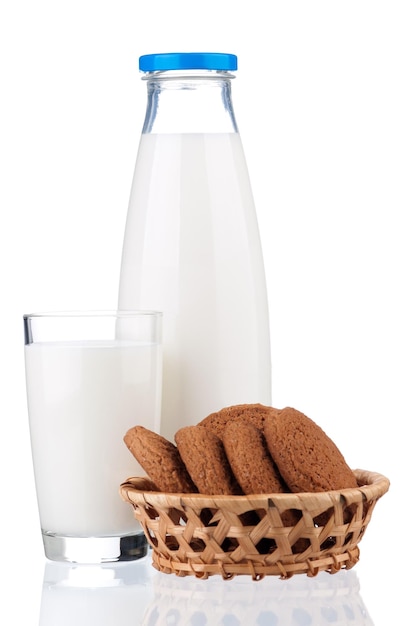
(191, 247)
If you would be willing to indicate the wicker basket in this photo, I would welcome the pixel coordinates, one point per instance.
(198, 535)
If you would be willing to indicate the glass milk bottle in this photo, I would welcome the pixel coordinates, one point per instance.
(191, 246)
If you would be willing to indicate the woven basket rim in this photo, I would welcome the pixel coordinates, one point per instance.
(372, 486)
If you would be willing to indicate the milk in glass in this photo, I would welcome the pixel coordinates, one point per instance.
(82, 397)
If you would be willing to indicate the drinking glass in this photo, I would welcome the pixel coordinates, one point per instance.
(90, 376)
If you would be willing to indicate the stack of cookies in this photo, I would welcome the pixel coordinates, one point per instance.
(243, 450)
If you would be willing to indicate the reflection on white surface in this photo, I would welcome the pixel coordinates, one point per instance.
(300, 601)
(106, 595)
(135, 594)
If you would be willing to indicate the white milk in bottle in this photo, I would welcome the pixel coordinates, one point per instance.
(192, 248)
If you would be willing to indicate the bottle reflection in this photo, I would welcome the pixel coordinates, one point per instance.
(105, 595)
(300, 601)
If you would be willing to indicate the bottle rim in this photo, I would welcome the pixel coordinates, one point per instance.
(187, 61)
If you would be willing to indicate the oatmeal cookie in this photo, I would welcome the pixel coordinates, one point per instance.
(160, 459)
(307, 458)
(253, 413)
(205, 459)
(250, 459)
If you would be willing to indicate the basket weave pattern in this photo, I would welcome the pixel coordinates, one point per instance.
(193, 534)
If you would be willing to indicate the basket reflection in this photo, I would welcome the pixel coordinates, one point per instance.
(300, 601)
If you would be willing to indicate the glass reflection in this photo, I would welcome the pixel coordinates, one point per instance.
(108, 595)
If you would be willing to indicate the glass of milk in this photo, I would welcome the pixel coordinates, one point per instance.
(90, 376)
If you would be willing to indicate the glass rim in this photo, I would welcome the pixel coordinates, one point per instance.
(119, 313)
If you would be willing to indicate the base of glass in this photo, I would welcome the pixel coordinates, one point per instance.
(94, 549)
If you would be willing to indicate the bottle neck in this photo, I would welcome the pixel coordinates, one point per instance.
(181, 102)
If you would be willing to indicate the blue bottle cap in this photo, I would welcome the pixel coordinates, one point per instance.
(187, 61)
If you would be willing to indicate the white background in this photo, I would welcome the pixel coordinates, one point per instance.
(325, 100)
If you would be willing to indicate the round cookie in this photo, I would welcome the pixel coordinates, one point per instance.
(160, 459)
(255, 470)
(307, 458)
(205, 459)
(250, 459)
(253, 413)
